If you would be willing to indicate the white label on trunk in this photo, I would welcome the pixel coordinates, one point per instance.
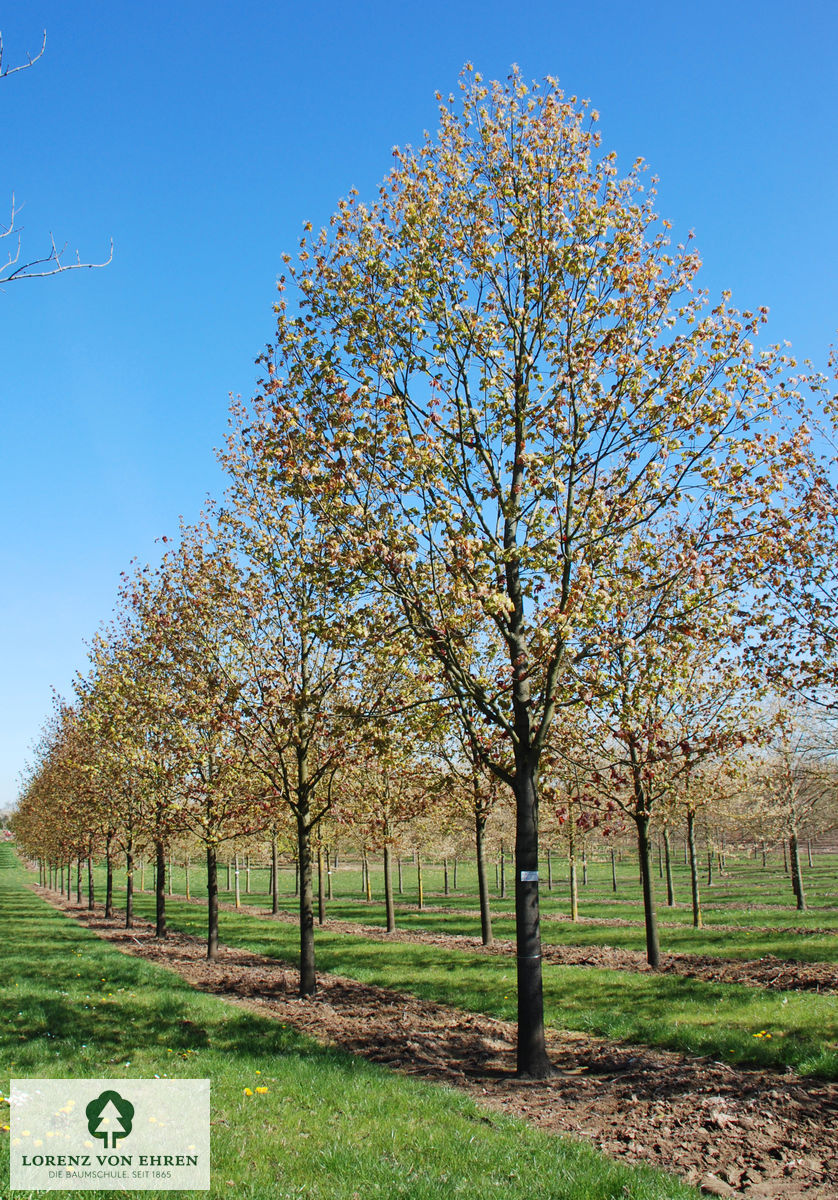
(529, 877)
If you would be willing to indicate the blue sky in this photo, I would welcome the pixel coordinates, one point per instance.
(200, 137)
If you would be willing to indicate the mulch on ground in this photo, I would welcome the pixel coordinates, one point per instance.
(748, 1133)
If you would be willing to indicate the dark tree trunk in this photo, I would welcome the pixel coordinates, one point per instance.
(696, 898)
(212, 902)
(667, 857)
(482, 882)
(321, 886)
(328, 876)
(389, 905)
(549, 870)
(90, 903)
(572, 880)
(653, 953)
(445, 887)
(419, 886)
(237, 881)
(785, 859)
(61, 888)
(171, 876)
(186, 873)
(399, 866)
(129, 887)
(78, 880)
(456, 865)
(502, 871)
(796, 873)
(809, 851)
(108, 877)
(764, 855)
(274, 874)
(533, 1062)
(613, 871)
(160, 930)
(709, 868)
(308, 978)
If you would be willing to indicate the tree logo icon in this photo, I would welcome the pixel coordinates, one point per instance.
(109, 1116)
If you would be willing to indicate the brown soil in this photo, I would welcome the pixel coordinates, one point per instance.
(755, 1134)
(767, 972)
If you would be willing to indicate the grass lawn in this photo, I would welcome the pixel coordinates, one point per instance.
(331, 1126)
(666, 1011)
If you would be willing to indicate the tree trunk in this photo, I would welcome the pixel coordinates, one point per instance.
(809, 851)
(129, 886)
(502, 871)
(108, 877)
(142, 875)
(61, 889)
(482, 882)
(212, 902)
(785, 859)
(445, 888)
(709, 868)
(764, 855)
(237, 881)
(456, 865)
(696, 898)
(186, 871)
(247, 874)
(328, 877)
(796, 874)
(308, 979)
(171, 876)
(584, 865)
(229, 887)
(399, 866)
(78, 880)
(90, 904)
(613, 871)
(571, 861)
(533, 1062)
(160, 891)
(389, 905)
(653, 953)
(549, 870)
(274, 874)
(419, 887)
(667, 856)
(321, 885)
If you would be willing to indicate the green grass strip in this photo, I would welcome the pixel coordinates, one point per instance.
(331, 1126)
(726, 1021)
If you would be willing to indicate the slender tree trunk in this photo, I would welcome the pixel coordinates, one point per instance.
(212, 902)
(274, 874)
(321, 885)
(108, 879)
(549, 870)
(186, 872)
(389, 905)
(247, 875)
(90, 903)
(142, 875)
(456, 864)
(78, 880)
(160, 891)
(296, 877)
(229, 887)
(237, 880)
(660, 860)
(69, 880)
(502, 871)
(482, 882)
(649, 915)
(129, 886)
(399, 866)
(796, 873)
(696, 897)
(764, 855)
(171, 875)
(532, 1049)
(308, 978)
(584, 865)
(61, 889)
(613, 871)
(328, 877)
(709, 868)
(368, 878)
(785, 859)
(571, 863)
(445, 887)
(667, 857)
(809, 851)
(420, 889)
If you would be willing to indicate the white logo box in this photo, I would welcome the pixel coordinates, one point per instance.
(121, 1134)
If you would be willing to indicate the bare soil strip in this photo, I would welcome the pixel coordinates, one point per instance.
(754, 1134)
(767, 972)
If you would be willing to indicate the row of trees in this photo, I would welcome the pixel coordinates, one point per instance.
(515, 511)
